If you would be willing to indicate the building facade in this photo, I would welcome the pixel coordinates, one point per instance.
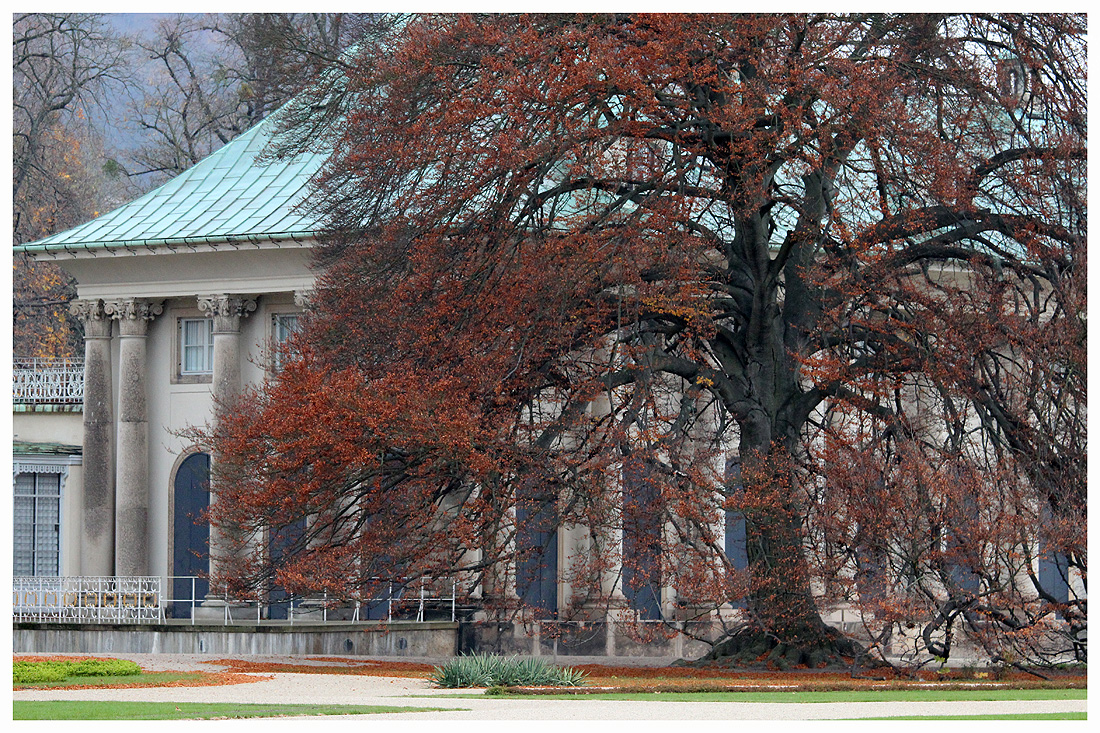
(182, 294)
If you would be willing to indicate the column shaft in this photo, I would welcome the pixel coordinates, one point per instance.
(227, 311)
(97, 540)
(132, 462)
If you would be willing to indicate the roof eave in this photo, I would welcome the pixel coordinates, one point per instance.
(213, 242)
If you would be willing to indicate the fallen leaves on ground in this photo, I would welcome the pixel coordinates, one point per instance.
(330, 665)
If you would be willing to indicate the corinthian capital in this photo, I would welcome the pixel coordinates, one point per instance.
(134, 309)
(302, 298)
(226, 310)
(91, 313)
(226, 305)
(133, 313)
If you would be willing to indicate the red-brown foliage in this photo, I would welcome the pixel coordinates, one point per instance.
(631, 273)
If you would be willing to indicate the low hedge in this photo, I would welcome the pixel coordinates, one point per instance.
(59, 671)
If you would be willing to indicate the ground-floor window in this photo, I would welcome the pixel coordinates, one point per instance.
(36, 538)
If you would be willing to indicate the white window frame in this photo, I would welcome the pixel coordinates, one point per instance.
(277, 330)
(207, 348)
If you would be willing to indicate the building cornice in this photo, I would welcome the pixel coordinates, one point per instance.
(83, 250)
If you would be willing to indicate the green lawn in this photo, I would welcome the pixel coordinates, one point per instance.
(818, 697)
(102, 710)
(1021, 716)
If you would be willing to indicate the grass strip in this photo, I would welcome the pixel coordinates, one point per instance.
(808, 697)
(103, 710)
(1019, 716)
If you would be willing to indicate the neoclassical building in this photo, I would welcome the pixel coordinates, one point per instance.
(182, 294)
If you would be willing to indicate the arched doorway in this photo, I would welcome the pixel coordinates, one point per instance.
(190, 533)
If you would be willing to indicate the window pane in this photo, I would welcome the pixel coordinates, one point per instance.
(23, 537)
(24, 484)
(286, 325)
(194, 332)
(36, 539)
(49, 484)
(198, 345)
(192, 359)
(46, 547)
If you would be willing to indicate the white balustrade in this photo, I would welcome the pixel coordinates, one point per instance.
(48, 381)
(97, 599)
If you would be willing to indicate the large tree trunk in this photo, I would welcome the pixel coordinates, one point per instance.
(784, 627)
(780, 600)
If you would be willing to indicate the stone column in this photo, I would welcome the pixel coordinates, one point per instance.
(610, 539)
(227, 311)
(132, 460)
(97, 540)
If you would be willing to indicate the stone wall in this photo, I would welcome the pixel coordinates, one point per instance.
(439, 639)
(397, 639)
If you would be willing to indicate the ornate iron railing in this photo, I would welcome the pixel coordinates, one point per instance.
(89, 599)
(48, 381)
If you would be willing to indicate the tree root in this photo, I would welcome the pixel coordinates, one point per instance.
(817, 649)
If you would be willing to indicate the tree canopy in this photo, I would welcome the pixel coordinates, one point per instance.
(647, 276)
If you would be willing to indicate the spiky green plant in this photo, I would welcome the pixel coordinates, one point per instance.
(488, 670)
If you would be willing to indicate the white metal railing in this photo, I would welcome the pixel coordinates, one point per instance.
(400, 598)
(48, 381)
(138, 599)
(426, 591)
(89, 599)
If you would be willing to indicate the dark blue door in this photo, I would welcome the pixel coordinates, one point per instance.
(190, 532)
(537, 549)
(283, 542)
(1054, 576)
(737, 550)
(642, 538)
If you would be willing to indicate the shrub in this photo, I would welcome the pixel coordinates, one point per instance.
(485, 670)
(37, 672)
(58, 671)
(104, 668)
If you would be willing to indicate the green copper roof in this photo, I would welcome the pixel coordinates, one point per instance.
(22, 448)
(226, 197)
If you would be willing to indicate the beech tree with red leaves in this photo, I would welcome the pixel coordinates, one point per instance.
(643, 277)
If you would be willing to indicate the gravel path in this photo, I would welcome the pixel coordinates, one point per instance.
(364, 690)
